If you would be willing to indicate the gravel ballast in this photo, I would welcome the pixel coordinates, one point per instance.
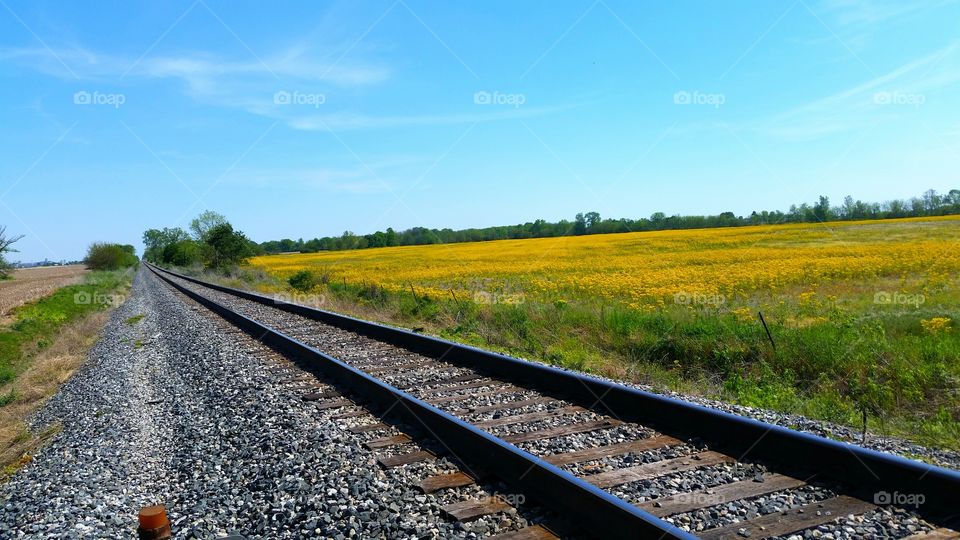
(174, 409)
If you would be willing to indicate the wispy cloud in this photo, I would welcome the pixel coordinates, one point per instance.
(252, 85)
(358, 180)
(198, 69)
(342, 122)
(855, 13)
(855, 23)
(899, 91)
(204, 77)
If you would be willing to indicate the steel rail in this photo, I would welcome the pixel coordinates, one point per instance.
(866, 473)
(592, 508)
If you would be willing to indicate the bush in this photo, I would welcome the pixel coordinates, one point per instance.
(227, 247)
(304, 280)
(101, 256)
(183, 253)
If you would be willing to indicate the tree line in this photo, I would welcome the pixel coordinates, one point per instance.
(100, 255)
(929, 204)
(212, 241)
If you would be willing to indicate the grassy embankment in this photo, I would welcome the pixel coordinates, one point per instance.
(862, 315)
(44, 342)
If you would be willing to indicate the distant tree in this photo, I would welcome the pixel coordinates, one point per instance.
(953, 197)
(227, 247)
(916, 207)
(931, 201)
(156, 242)
(849, 207)
(579, 224)
(5, 243)
(896, 208)
(201, 225)
(821, 211)
(186, 252)
(104, 256)
(592, 219)
(657, 220)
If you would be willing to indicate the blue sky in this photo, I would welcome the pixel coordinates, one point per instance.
(303, 119)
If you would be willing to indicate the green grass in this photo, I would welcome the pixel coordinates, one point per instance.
(834, 359)
(135, 319)
(36, 324)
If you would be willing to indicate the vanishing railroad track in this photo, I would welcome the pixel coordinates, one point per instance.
(501, 417)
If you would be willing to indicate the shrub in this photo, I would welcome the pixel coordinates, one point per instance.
(101, 256)
(183, 253)
(304, 280)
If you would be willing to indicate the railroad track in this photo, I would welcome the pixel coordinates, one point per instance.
(586, 449)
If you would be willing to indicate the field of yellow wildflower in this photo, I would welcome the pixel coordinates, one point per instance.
(862, 315)
(648, 270)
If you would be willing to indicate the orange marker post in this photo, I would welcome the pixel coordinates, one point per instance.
(154, 524)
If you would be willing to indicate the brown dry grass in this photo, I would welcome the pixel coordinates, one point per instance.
(48, 369)
(29, 284)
